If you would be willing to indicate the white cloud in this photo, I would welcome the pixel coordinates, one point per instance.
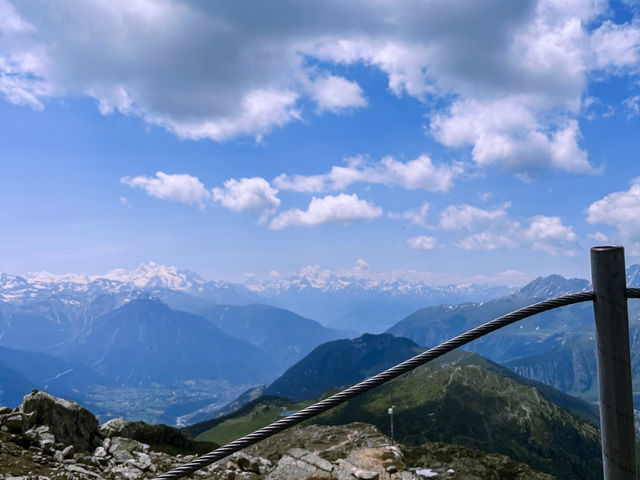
(505, 133)
(359, 270)
(415, 216)
(259, 112)
(181, 188)
(341, 209)
(621, 210)
(248, 195)
(300, 183)
(491, 240)
(422, 242)
(495, 229)
(468, 217)
(247, 71)
(420, 173)
(632, 104)
(550, 235)
(336, 93)
(599, 237)
(617, 46)
(10, 21)
(124, 201)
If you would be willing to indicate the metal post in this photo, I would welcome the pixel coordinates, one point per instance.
(614, 366)
(391, 421)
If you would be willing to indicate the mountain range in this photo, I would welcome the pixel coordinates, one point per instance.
(176, 343)
(363, 304)
(432, 325)
(344, 302)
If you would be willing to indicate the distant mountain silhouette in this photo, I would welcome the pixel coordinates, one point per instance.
(145, 341)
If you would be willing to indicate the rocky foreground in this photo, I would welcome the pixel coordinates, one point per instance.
(51, 438)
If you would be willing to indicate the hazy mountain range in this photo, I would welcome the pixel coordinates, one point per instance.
(347, 303)
(363, 304)
(159, 342)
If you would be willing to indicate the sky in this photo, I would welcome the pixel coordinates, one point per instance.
(442, 140)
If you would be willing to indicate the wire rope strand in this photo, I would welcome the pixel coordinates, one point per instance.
(376, 380)
(632, 292)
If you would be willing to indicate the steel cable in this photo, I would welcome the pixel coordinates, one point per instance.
(633, 292)
(379, 379)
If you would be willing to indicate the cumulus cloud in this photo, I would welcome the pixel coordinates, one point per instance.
(467, 216)
(181, 188)
(620, 210)
(248, 195)
(422, 242)
(617, 46)
(340, 209)
(550, 235)
(505, 133)
(336, 93)
(495, 229)
(219, 70)
(416, 216)
(420, 173)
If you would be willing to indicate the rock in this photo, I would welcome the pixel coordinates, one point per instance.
(365, 474)
(145, 433)
(41, 437)
(57, 456)
(141, 461)
(100, 452)
(68, 452)
(83, 471)
(4, 410)
(68, 421)
(122, 449)
(250, 464)
(15, 422)
(299, 463)
(391, 469)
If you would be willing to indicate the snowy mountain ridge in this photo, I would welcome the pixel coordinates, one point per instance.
(148, 276)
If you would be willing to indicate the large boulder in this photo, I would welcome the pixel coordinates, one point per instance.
(70, 423)
(145, 433)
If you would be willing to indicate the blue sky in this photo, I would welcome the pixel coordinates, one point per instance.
(448, 141)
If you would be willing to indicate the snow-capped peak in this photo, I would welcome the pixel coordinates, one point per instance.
(153, 275)
(47, 277)
(552, 286)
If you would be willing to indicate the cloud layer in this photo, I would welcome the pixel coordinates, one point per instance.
(507, 77)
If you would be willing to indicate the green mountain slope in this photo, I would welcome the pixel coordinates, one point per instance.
(462, 399)
(456, 401)
(341, 363)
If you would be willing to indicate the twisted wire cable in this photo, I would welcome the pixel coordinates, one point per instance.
(376, 380)
(632, 292)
